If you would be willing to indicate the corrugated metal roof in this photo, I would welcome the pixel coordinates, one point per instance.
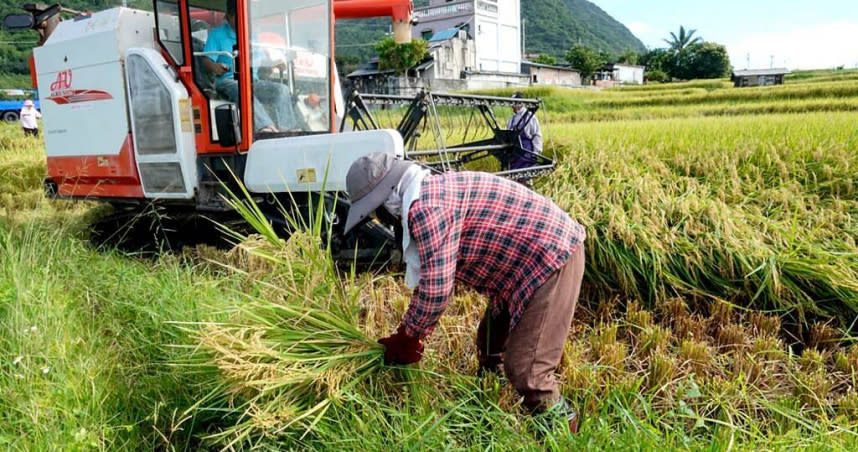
(752, 72)
(425, 65)
(444, 35)
(549, 66)
(363, 72)
(372, 68)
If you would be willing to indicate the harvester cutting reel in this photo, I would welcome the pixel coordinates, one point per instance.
(453, 131)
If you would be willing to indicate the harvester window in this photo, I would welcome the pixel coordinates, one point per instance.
(290, 62)
(170, 29)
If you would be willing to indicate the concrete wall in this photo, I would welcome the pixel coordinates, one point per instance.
(628, 74)
(556, 77)
(452, 58)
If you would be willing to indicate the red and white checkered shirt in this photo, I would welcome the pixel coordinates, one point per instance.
(492, 234)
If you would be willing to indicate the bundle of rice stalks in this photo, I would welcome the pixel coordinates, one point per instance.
(294, 349)
(285, 365)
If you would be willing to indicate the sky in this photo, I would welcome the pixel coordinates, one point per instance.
(796, 34)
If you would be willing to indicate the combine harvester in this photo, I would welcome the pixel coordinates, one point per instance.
(132, 117)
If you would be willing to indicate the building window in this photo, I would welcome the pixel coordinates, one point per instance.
(487, 7)
(426, 34)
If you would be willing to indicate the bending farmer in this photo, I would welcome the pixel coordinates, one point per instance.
(494, 235)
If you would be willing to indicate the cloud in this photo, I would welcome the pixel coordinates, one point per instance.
(816, 47)
(639, 28)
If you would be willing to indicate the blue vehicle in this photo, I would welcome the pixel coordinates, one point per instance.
(10, 110)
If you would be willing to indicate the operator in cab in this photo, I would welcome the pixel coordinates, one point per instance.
(273, 111)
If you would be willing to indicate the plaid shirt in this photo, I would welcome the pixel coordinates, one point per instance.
(492, 234)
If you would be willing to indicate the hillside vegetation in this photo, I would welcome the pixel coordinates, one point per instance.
(554, 26)
(718, 313)
(15, 48)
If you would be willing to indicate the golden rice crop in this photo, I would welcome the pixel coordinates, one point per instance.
(769, 93)
(758, 211)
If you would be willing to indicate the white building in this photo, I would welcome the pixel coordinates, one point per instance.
(621, 74)
(494, 24)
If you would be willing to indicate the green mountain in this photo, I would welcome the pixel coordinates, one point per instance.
(553, 26)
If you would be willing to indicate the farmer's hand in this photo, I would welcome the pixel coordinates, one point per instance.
(400, 348)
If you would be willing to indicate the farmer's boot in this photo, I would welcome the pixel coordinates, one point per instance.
(560, 415)
(569, 413)
(491, 342)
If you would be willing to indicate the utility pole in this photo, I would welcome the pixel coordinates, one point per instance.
(748, 61)
(772, 62)
(523, 37)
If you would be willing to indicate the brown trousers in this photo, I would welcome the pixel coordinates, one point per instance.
(530, 353)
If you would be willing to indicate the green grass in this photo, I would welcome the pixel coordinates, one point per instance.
(721, 225)
(822, 74)
(83, 337)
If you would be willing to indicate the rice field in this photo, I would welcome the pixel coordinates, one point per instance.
(719, 310)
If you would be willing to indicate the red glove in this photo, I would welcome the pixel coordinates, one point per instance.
(400, 348)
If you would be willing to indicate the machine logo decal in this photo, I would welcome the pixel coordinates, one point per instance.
(62, 94)
(63, 81)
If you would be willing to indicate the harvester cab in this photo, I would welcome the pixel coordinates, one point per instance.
(169, 108)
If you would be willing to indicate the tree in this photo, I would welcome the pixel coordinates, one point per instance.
(586, 60)
(545, 58)
(656, 75)
(657, 60)
(679, 42)
(400, 57)
(630, 57)
(708, 60)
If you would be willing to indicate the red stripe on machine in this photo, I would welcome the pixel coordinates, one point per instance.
(81, 95)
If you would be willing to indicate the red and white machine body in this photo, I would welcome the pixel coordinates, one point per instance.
(81, 80)
(130, 113)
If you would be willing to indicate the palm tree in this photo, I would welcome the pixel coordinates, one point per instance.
(683, 39)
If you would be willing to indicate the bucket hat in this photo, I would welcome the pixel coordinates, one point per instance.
(369, 182)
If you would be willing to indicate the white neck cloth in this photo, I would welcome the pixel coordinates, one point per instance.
(398, 204)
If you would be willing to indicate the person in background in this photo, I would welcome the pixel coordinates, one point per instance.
(530, 134)
(29, 118)
(496, 236)
(274, 95)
